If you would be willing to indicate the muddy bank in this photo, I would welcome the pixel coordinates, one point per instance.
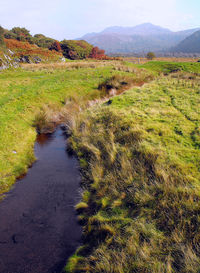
(39, 229)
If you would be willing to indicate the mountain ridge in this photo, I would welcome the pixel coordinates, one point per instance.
(141, 38)
(189, 44)
(138, 29)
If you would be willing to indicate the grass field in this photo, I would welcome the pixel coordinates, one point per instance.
(140, 159)
(139, 153)
(23, 92)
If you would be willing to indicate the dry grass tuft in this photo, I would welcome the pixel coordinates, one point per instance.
(140, 214)
(47, 119)
(119, 83)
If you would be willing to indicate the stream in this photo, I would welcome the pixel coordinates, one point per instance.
(38, 223)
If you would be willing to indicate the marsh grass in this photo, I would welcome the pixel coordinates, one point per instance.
(140, 175)
(47, 119)
(49, 116)
(38, 98)
(117, 84)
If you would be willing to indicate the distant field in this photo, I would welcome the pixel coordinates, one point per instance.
(160, 59)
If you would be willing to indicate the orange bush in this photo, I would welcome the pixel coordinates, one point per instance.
(15, 44)
(24, 48)
(97, 53)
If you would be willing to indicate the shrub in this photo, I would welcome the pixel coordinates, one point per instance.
(55, 46)
(43, 41)
(75, 50)
(26, 49)
(9, 35)
(97, 53)
(21, 34)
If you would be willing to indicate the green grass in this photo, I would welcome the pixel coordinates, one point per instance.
(165, 67)
(141, 180)
(169, 67)
(22, 94)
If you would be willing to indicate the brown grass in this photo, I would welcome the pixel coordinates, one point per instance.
(166, 59)
(70, 65)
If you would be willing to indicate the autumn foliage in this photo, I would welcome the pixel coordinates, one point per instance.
(97, 53)
(23, 43)
(55, 46)
(15, 44)
(25, 48)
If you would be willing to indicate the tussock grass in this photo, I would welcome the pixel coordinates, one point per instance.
(121, 82)
(141, 182)
(47, 119)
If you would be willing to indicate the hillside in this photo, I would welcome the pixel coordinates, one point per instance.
(19, 46)
(141, 38)
(190, 44)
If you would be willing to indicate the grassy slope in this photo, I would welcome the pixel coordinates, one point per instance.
(22, 93)
(140, 161)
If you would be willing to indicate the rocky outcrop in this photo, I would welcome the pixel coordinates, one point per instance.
(8, 59)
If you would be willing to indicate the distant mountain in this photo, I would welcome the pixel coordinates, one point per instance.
(141, 38)
(189, 45)
(143, 29)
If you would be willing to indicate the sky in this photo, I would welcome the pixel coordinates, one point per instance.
(68, 19)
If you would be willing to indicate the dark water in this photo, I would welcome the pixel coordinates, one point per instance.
(38, 225)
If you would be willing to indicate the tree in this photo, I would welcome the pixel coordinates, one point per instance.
(151, 55)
